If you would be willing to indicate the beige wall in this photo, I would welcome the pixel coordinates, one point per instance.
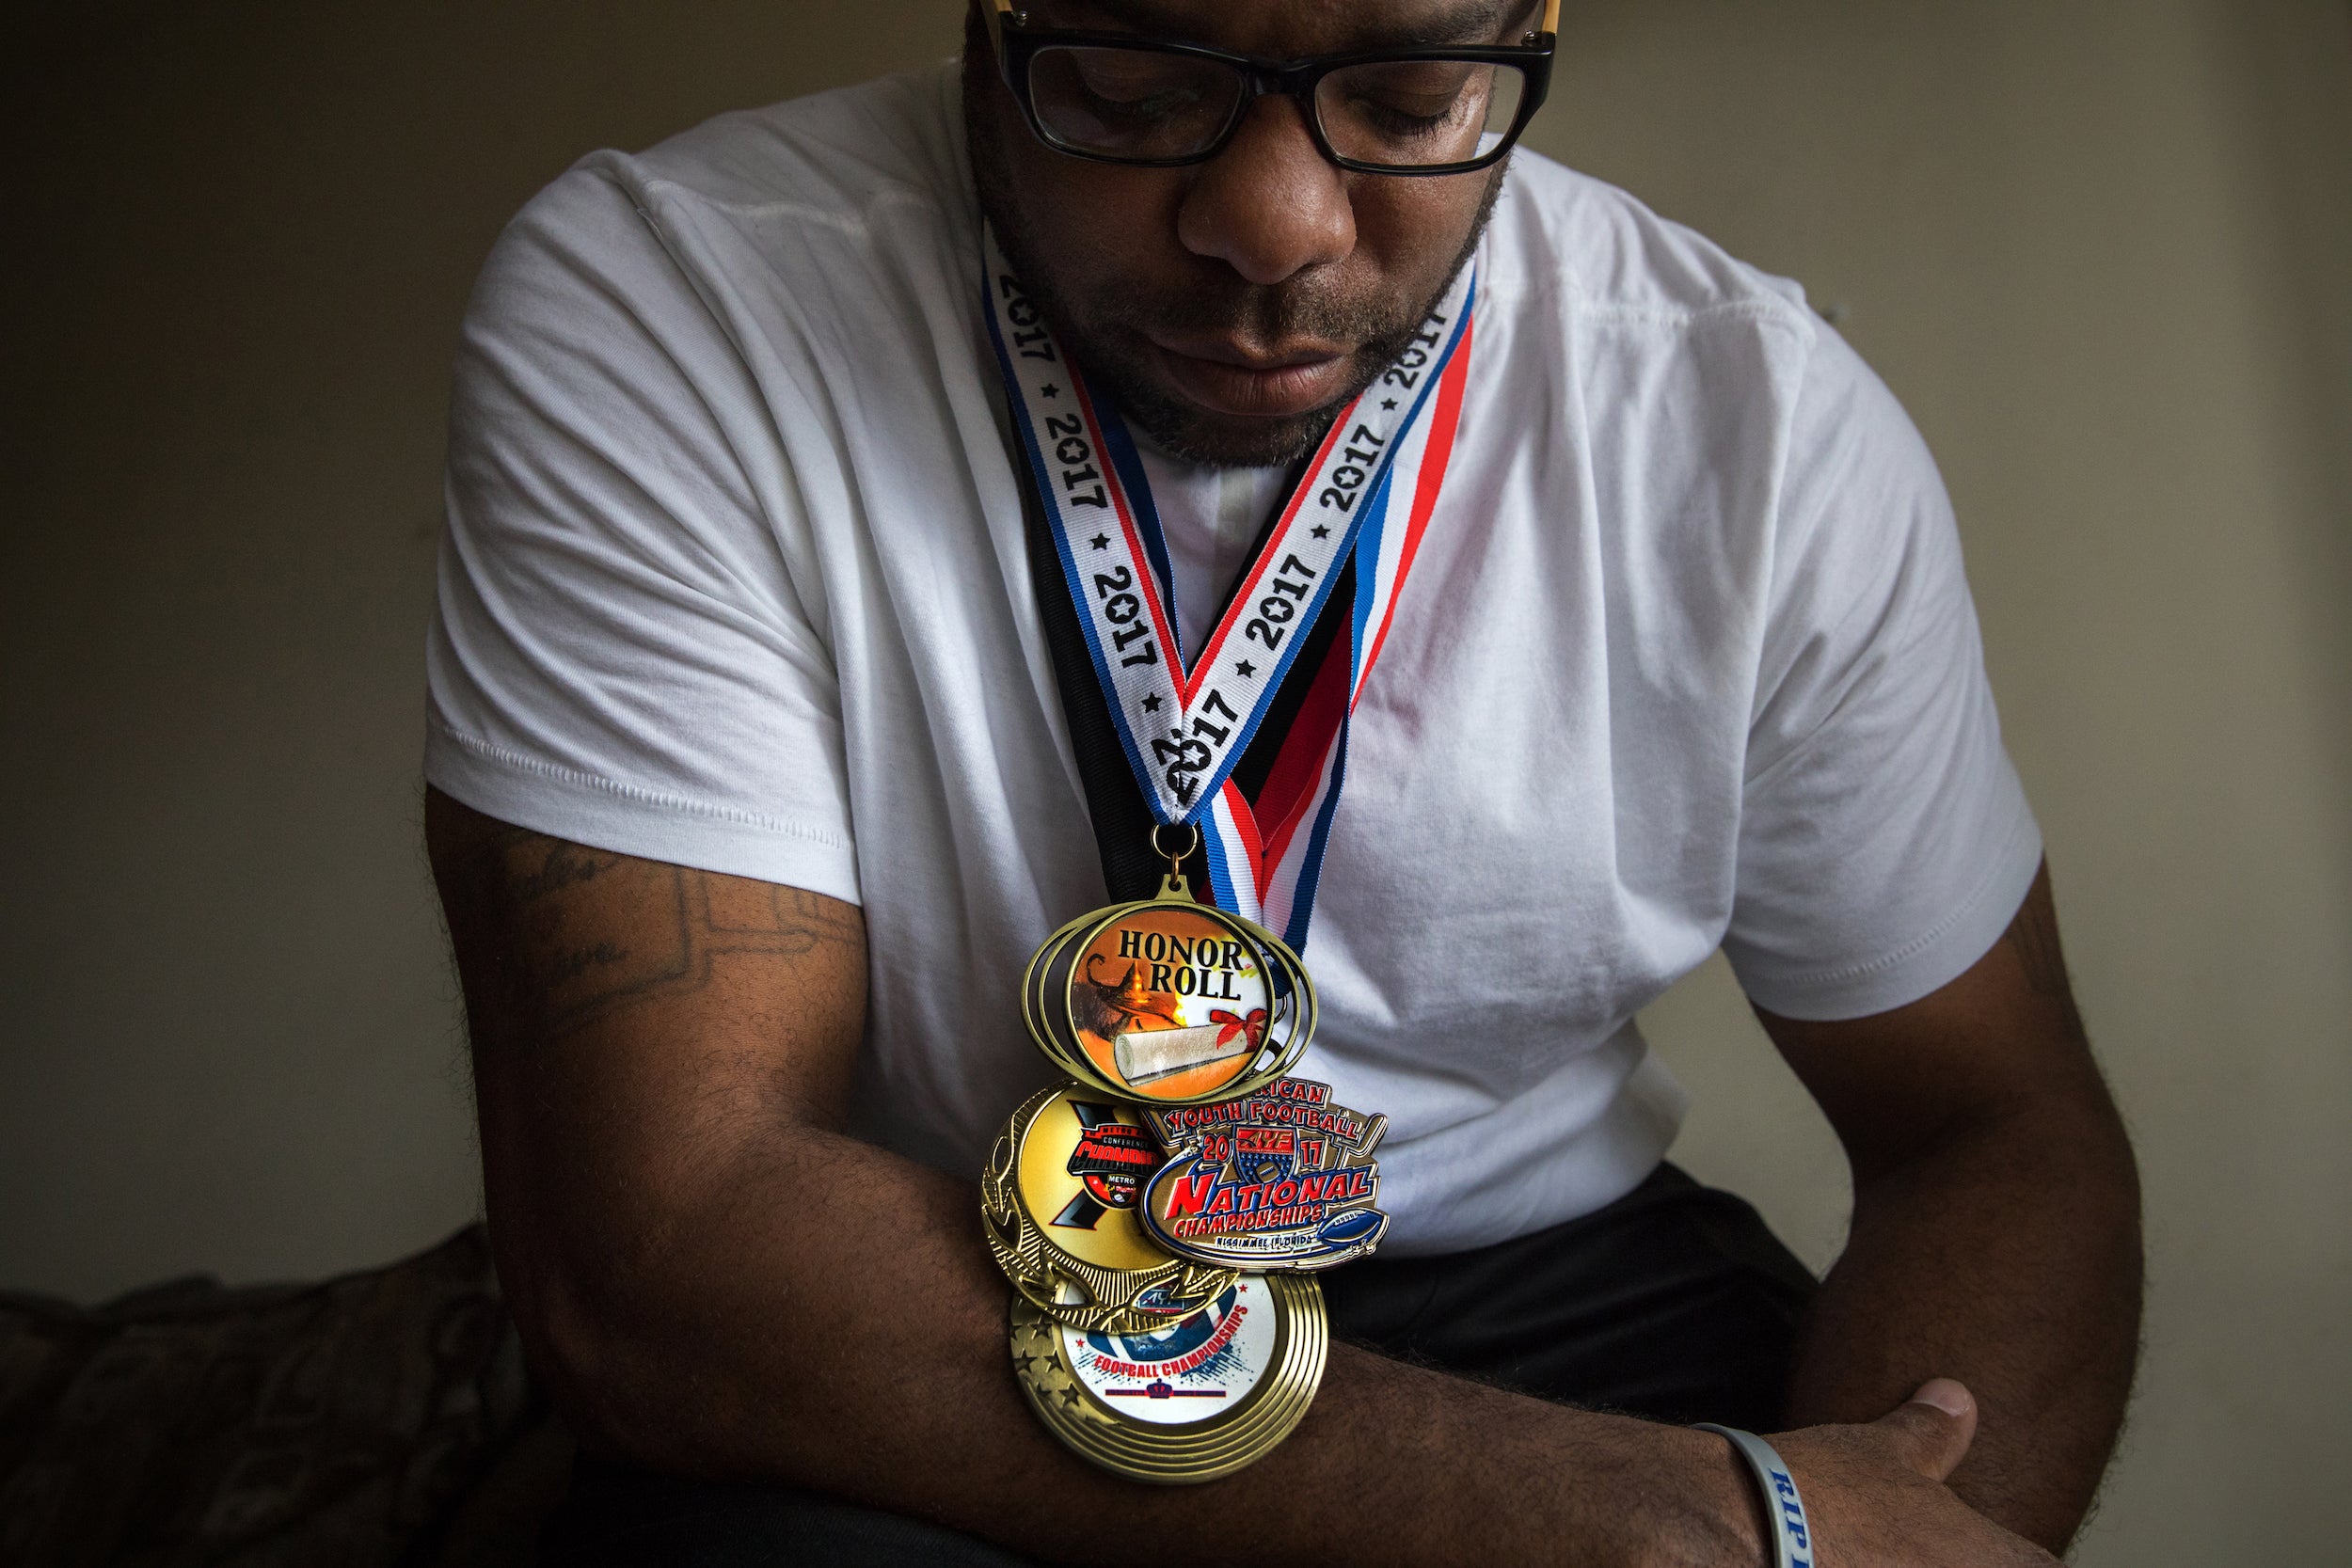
(2101, 248)
(2103, 252)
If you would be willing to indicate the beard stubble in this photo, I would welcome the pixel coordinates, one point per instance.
(1098, 324)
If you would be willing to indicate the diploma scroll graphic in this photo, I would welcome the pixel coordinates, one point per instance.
(1144, 1054)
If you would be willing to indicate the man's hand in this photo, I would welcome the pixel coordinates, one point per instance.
(1875, 1494)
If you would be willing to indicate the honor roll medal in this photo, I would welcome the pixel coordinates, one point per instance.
(1169, 1001)
(1159, 1215)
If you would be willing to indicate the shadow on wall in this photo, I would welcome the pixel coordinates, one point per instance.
(241, 238)
(2290, 97)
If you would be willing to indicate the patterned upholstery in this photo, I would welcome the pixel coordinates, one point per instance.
(363, 1421)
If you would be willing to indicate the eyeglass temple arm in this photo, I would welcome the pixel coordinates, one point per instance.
(997, 10)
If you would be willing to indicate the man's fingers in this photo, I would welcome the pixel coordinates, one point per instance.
(1931, 1433)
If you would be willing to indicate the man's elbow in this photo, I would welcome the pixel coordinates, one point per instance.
(614, 1333)
(584, 1340)
(2062, 1154)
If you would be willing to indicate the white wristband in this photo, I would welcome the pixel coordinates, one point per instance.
(1792, 1541)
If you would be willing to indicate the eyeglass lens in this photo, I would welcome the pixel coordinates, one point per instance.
(1142, 104)
(1408, 114)
(1133, 102)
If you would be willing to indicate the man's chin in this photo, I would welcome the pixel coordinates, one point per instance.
(1230, 441)
(1183, 427)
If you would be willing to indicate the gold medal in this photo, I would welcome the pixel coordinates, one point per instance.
(1058, 1207)
(1169, 1001)
(1136, 1338)
(1189, 1401)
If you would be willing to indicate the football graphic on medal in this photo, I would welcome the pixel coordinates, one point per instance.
(1169, 1001)
(1278, 1178)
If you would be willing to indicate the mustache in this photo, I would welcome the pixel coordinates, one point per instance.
(1262, 315)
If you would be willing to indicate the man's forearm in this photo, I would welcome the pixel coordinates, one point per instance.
(2008, 1258)
(716, 1281)
(824, 1313)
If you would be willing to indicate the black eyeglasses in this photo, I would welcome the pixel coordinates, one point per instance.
(1126, 100)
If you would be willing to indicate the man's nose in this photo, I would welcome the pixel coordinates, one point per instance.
(1270, 204)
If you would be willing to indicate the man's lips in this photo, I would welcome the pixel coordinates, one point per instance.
(1226, 379)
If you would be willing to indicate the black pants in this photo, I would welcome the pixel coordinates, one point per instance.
(1675, 1301)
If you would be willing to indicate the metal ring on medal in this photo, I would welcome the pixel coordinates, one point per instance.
(1169, 1001)
(1035, 1008)
(1189, 1401)
(1058, 1208)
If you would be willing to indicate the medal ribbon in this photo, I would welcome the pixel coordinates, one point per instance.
(1324, 582)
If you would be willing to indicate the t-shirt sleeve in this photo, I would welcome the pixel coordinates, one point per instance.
(627, 648)
(1884, 839)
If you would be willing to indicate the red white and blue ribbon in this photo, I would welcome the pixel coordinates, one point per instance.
(1185, 722)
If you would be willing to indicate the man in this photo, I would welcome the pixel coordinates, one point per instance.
(756, 782)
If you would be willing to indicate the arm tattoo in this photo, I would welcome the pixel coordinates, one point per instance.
(562, 934)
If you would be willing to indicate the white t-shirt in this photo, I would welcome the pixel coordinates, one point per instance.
(1210, 518)
(735, 577)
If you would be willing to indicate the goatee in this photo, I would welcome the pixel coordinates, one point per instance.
(1110, 328)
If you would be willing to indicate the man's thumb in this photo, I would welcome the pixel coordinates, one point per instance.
(1931, 1433)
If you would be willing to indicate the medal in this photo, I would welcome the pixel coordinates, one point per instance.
(1280, 1178)
(1160, 1211)
(1058, 1210)
(1187, 1403)
(1170, 1001)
